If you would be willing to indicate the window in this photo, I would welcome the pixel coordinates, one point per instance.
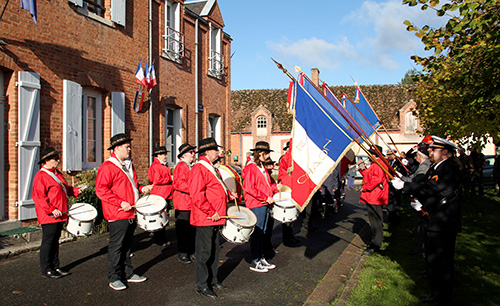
(95, 6)
(216, 59)
(410, 123)
(92, 129)
(173, 137)
(214, 128)
(95, 9)
(261, 122)
(174, 39)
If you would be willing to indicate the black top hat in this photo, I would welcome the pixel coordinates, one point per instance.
(160, 150)
(373, 150)
(47, 153)
(184, 148)
(263, 146)
(119, 139)
(287, 145)
(207, 144)
(269, 161)
(440, 143)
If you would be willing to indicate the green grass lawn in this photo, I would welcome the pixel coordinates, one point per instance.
(392, 278)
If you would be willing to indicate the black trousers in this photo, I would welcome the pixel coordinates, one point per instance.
(207, 256)
(185, 232)
(440, 257)
(49, 249)
(375, 216)
(121, 235)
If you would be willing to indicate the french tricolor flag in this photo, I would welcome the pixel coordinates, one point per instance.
(319, 144)
(139, 76)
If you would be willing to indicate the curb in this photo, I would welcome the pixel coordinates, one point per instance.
(336, 286)
(28, 247)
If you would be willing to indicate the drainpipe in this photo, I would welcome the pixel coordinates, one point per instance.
(150, 21)
(196, 80)
(2, 141)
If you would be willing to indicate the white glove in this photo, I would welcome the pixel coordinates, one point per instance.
(416, 204)
(398, 183)
(404, 161)
(361, 166)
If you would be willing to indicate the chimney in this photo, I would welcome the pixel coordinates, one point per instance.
(315, 76)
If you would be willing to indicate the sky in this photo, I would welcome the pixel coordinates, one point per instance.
(345, 39)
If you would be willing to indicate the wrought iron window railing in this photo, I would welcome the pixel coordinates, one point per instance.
(174, 44)
(216, 61)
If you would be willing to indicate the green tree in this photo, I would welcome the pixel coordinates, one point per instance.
(459, 88)
(411, 76)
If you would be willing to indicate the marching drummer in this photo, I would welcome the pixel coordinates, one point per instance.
(285, 178)
(117, 187)
(258, 190)
(182, 204)
(50, 194)
(209, 203)
(161, 178)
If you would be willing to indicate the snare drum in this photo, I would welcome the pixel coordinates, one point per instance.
(152, 213)
(283, 209)
(81, 218)
(239, 228)
(231, 178)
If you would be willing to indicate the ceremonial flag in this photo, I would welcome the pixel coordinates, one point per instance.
(30, 5)
(362, 112)
(137, 104)
(139, 76)
(334, 108)
(152, 77)
(319, 144)
(147, 76)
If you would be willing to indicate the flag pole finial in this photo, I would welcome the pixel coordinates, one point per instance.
(283, 69)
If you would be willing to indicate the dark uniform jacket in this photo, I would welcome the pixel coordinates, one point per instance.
(438, 195)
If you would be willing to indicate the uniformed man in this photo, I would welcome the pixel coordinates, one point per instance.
(438, 195)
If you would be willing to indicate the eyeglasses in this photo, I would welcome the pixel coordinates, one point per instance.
(192, 151)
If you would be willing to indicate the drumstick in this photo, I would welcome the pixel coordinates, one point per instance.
(71, 208)
(236, 203)
(138, 205)
(228, 217)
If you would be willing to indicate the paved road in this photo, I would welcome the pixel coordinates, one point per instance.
(170, 282)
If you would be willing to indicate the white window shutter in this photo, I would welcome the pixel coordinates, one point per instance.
(72, 126)
(28, 140)
(77, 2)
(118, 116)
(118, 11)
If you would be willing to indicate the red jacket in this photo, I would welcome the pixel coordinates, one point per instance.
(161, 178)
(285, 163)
(182, 200)
(207, 196)
(49, 195)
(373, 178)
(113, 187)
(255, 186)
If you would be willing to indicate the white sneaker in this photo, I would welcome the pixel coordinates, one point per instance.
(258, 267)
(267, 265)
(136, 279)
(117, 285)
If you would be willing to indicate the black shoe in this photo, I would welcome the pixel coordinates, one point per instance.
(291, 242)
(219, 286)
(184, 259)
(51, 274)
(63, 272)
(207, 292)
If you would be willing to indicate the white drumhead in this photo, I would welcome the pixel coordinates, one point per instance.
(283, 199)
(228, 177)
(82, 212)
(242, 216)
(150, 204)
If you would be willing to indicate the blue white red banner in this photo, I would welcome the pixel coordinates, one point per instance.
(362, 112)
(319, 143)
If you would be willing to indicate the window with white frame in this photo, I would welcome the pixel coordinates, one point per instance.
(174, 39)
(173, 136)
(216, 59)
(261, 126)
(214, 130)
(410, 123)
(96, 9)
(92, 129)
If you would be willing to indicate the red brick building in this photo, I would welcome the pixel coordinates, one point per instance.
(69, 82)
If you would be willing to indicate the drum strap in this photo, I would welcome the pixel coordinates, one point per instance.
(183, 161)
(58, 181)
(215, 173)
(127, 173)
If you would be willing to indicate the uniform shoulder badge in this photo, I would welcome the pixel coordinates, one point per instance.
(435, 177)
